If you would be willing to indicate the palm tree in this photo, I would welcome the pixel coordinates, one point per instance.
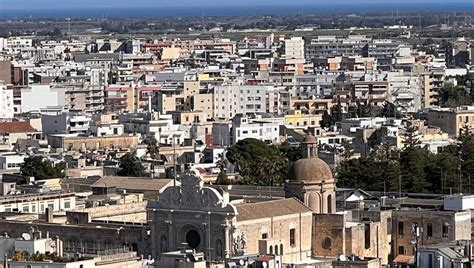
(154, 151)
(222, 162)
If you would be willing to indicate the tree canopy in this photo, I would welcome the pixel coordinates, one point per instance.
(42, 168)
(129, 165)
(415, 168)
(258, 163)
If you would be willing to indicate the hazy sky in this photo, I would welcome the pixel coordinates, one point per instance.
(38, 4)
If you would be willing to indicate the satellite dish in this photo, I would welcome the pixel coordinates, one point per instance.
(342, 258)
(241, 262)
(26, 236)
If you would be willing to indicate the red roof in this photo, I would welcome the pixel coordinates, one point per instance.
(408, 259)
(16, 127)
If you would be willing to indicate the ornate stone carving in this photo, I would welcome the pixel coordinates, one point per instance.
(239, 243)
(192, 195)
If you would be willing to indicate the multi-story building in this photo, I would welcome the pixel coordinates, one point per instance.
(260, 130)
(65, 123)
(331, 46)
(294, 48)
(38, 202)
(452, 120)
(14, 45)
(433, 82)
(405, 91)
(11, 161)
(6, 102)
(438, 227)
(233, 99)
(49, 96)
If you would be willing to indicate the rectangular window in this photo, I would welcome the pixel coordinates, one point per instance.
(400, 228)
(367, 236)
(26, 209)
(292, 237)
(445, 230)
(264, 236)
(67, 204)
(401, 250)
(429, 230)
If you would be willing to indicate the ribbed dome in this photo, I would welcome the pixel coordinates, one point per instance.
(310, 169)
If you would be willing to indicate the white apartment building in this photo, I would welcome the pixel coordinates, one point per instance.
(37, 97)
(260, 130)
(230, 100)
(11, 161)
(294, 48)
(38, 202)
(6, 102)
(65, 123)
(405, 91)
(14, 45)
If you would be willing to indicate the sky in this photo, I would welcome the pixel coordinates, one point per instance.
(47, 4)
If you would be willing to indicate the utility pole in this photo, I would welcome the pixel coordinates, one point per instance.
(174, 160)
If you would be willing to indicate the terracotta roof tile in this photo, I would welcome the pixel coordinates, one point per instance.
(16, 127)
(267, 209)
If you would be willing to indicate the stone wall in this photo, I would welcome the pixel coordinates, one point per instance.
(329, 235)
(87, 237)
(278, 235)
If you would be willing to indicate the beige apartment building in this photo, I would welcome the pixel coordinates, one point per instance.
(452, 120)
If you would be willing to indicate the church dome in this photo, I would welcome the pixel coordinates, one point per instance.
(310, 169)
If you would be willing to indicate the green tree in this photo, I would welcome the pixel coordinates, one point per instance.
(222, 178)
(153, 151)
(129, 165)
(389, 110)
(410, 137)
(347, 150)
(41, 168)
(222, 163)
(454, 96)
(326, 120)
(257, 162)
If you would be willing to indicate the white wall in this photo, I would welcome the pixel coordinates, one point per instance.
(37, 97)
(39, 206)
(6, 102)
(11, 161)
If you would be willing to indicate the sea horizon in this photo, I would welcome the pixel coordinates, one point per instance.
(236, 10)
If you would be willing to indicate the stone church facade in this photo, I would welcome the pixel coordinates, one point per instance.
(202, 218)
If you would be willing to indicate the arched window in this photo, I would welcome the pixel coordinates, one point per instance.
(281, 249)
(276, 249)
(271, 250)
(330, 204)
